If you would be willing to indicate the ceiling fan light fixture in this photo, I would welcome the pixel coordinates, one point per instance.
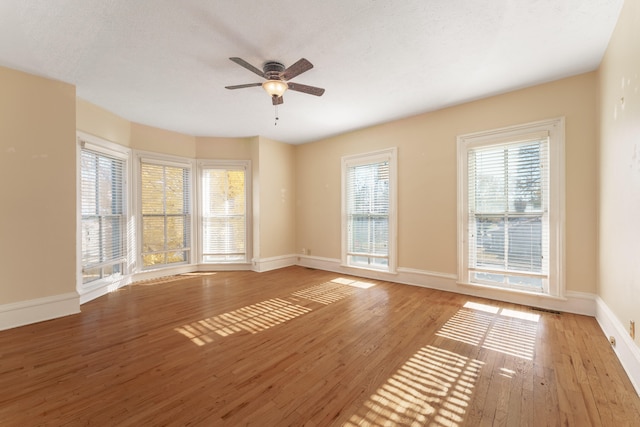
(275, 87)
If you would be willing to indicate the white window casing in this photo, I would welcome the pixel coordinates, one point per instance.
(511, 208)
(369, 210)
(104, 246)
(165, 207)
(224, 223)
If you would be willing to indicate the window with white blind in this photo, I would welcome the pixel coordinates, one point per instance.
(103, 208)
(165, 206)
(224, 206)
(369, 206)
(510, 184)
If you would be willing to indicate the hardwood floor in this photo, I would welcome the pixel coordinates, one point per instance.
(304, 347)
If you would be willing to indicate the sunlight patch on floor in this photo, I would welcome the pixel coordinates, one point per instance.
(199, 273)
(504, 330)
(328, 292)
(433, 387)
(266, 314)
(354, 283)
(252, 318)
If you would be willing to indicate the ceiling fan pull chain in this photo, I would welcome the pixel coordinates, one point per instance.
(276, 114)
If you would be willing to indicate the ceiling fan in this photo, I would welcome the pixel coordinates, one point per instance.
(278, 78)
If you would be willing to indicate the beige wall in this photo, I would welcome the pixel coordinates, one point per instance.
(99, 122)
(427, 176)
(224, 148)
(38, 187)
(156, 140)
(619, 207)
(276, 204)
(297, 188)
(273, 169)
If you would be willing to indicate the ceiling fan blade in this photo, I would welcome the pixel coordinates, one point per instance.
(296, 69)
(241, 62)
(243, 86)
(277, 100)
(311, 90)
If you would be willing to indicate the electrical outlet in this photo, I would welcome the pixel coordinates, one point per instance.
(632, 329)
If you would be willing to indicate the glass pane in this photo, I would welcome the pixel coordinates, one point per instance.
(526, 185)
(224, 222)
(369, 234)
(176, 232)
(153, 234)
(490, 243)
(102, 206)
(487, 169)
(369, 262)
(526, 283)
(507, 178)
(112, 235)
(108, 270)
(91, 275)
(90, 241)
(166, 217)
(487, 277)
(525, 244)
(368, 188)
(110, 188)
(173, 257)
(88, 165)
(224, 235)
(153, 259)
(380, 262)
(224, 258)
(176, 191)
(152, 183)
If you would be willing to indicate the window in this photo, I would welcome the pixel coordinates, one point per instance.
(369, 220)
(103, 208)
(224, 212)
(165, 204)
(511, 208)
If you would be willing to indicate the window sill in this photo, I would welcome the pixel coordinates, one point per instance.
(512, 291)
(373, 270)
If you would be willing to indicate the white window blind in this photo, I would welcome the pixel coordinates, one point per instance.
(103, 227)
(508, 229)
(224, 215)
(166, 214)
(367, 212)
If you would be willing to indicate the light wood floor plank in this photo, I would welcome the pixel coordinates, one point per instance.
(302, 347)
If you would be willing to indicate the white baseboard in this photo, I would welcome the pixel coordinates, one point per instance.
(163, 272)
(37, 310)
(261, 265)
(224, 267)
(627, 351)
(573, 302)
(102, 288)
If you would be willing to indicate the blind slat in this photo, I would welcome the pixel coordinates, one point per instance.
(507, 201)
(102, 207)
(165, 197)
(367, 196)
(224, 213)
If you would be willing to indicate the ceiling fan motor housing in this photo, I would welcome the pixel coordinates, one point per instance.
(273, 70)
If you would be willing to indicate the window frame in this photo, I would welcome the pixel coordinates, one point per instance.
(390, 155)
(202, 165)
(170, 161)
(108, 149)
(555, 129)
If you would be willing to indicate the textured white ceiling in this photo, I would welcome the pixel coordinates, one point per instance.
(165, 63)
